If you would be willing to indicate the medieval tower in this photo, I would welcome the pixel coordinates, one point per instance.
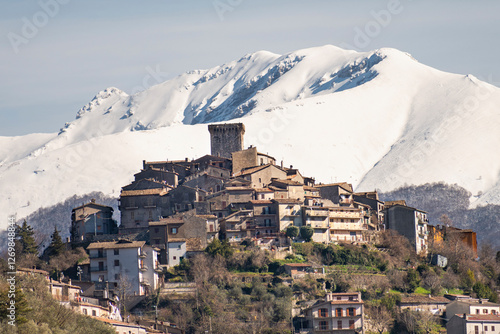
(226, 138)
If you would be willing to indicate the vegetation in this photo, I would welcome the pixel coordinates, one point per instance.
(37, 312)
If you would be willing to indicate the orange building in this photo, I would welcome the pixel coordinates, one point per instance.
(440, 232)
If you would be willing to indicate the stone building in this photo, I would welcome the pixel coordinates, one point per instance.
(226, 139)
(139, 207)
(261, 176)
(338, 193)
(250, 158)
(410, 223)
(182, 233)
(90, 220)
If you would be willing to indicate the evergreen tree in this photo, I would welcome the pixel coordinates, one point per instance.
(56, 244)
(26, 239)
(306, 232)
(292, 232)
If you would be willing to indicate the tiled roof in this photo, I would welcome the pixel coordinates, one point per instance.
(92, 204)
(344, 185)
(262, 190)
(261, 201)
(238, 188)
(116, 244)
(421, 299)
(288, 201)
(288, 182)
(483, 317)
(144, 192)
(251, 170)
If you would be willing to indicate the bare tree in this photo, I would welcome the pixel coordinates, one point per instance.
(378, 318)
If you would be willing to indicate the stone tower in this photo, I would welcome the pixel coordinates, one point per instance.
(226, 138)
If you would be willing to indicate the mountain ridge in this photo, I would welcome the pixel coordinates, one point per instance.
(387, 118)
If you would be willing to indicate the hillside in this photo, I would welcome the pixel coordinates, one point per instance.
(336, 115)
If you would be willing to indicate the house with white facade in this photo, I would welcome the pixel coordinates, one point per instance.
(471, 306)
(474, 324)
(125, 262)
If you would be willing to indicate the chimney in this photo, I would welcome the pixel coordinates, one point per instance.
(291, 166)
(281, 163)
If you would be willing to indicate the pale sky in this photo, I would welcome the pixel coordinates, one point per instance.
(57, 54)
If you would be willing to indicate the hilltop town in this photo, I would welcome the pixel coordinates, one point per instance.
(237, 222)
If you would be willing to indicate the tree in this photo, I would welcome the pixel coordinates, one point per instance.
(306, 232)
(292, 232)
(378, 318)
(412, 280)
(219, 248)
(26, 239)
(56, 244)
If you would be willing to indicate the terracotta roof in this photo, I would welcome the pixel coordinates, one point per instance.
(344, 185)
(176, 239)
(421, 299)
(297, 265)
(206, 216)
(287, 201)
(92, 204)
(144, 192)
(156, 170)
(116, 244)
(36, 271)
(476, 302)
(263, 190)
(483, 317)
(252, 170)
(238, 188)
(288, 182)
(261, 201)
(391, 203)
(311, 188)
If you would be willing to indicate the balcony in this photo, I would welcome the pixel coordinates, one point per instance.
(143, 255)
(97, 269)
(98, 256)
(143, 268)
(144, 282)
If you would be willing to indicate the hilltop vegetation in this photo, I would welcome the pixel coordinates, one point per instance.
(38, 313)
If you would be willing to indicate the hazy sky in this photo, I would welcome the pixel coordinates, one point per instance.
(57, 54)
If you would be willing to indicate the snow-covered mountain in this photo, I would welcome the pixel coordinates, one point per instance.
(377, 119)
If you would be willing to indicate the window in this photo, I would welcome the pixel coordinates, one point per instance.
(477, 311)
(323, 325)
(492, 328)
(485, 311)
(132, 215)
(338, 312)
(323, 313)
(476, 329)
(339, 324)
(175, 257)
(94, 314)
(117, 277)
(351, 311)
(117, 263)
(351, 298)
(261, 196)
(351, 324)
(493, 312)
(485, 328)
(116, 251)
(85, 311)
(173, 230)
